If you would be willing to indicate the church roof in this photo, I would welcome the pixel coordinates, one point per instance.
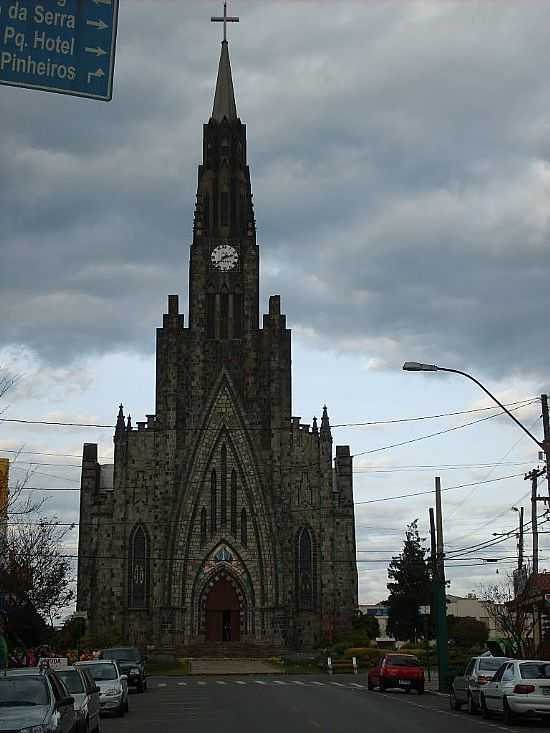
(224, 99)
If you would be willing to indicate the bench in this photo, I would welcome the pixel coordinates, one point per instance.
(342, 665)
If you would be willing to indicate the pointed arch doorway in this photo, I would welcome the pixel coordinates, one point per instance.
(223, 613)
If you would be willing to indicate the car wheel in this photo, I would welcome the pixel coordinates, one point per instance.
(509, 717)
(382, 686)
(126, 708)
(370, 686)
(421, 689)
(120, 710)
(453, 702)
(484, 709)
(472, 707)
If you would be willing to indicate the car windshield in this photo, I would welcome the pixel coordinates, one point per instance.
(491, 664)
(535, 671)
(72, 680)
(403, 660)
(23, 691)
(123, 655)
(102, 672)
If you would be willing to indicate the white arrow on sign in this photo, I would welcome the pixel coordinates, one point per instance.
(99, 73)
(99, 24)
(102, 2)
(98, 51)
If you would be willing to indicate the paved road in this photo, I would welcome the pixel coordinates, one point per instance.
(340, 704)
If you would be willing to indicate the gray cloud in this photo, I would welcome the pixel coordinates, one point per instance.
(400, 161)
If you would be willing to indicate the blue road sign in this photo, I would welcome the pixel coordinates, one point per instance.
(65, 46)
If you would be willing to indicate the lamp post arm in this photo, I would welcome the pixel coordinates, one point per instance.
(492, 396)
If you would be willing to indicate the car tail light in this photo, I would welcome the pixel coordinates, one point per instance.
(524, 689)
(482, 680)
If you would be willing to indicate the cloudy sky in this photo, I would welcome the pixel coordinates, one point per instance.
(400, 160)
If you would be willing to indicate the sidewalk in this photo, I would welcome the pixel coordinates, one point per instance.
(231, 666)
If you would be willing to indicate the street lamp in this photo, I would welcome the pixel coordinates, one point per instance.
(415, 366)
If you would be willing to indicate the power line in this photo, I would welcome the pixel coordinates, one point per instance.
(524, 402)
(433, 435)
(328, 513)
(465, 499)
(360, 469)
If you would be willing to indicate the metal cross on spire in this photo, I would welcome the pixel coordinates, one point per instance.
(225, 20)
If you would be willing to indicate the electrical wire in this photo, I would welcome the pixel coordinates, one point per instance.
(433, 435)
(524, 403)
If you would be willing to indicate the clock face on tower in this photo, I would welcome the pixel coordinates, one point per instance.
(224, 257)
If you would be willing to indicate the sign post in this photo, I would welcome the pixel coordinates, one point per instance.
(65, 46)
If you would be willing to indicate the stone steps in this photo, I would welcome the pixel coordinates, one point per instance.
(229, 650)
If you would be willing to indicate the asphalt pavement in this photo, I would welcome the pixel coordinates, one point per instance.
(288, 704)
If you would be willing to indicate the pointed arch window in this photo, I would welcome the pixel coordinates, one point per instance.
(237, 316)
(224, 208)
(206, 212)
(234, 503)
(213, 502)
(138, 569)
(244, 528)
(223, 488)
(210, 315)
(203, 526)
(305, 569)
(224, 315)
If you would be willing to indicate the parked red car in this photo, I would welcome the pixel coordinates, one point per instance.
(397, 670)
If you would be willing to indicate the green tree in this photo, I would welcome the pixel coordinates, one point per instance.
(467, 632)
(367, 624)
(409, 587)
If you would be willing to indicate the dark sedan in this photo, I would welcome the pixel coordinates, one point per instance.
(130, 662)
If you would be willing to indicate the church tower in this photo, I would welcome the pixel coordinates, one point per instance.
(224, 520)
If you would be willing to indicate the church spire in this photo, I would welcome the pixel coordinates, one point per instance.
(325, 425)
(224, 99)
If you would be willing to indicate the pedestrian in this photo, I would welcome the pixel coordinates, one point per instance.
(3, 646)
(32, 659)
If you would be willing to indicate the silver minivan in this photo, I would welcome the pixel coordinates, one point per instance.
(113, 686)
(85, 692)
(465, 689)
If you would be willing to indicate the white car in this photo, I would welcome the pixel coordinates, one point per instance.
(85, 692)
(518, 689)
(466, 688)
(113, 686)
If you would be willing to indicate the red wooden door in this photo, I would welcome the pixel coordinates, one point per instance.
(222, 602)
(214, 625)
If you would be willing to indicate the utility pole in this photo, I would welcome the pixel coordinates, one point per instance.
(440, 595)
(546, 438)
(520, 541)
(533, 476)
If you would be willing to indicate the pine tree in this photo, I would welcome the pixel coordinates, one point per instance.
(410, 587)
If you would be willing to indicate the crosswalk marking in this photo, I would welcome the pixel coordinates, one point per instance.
(299, 683)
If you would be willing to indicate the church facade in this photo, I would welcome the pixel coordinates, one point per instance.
(224, 519)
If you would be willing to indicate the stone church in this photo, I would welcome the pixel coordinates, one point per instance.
(224, 519)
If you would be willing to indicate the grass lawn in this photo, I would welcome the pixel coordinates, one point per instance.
(164, 670)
